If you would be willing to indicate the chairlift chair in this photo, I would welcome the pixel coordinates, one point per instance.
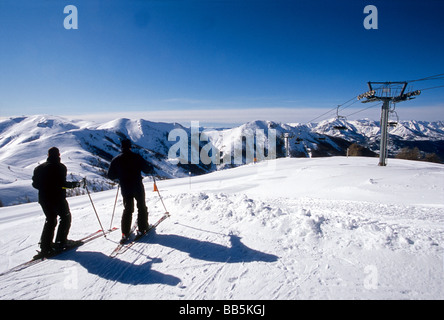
(393, 122)
(340, 127)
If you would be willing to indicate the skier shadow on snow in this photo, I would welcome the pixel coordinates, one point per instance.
(128, 273)
(208, 251)
(118, 270)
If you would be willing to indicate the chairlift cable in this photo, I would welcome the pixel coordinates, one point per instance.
(334, 109)
(372, 106)
(347, 103)
(435, 77)
(431, 88)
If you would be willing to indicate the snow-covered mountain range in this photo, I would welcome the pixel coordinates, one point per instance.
(87, 147)
(427, 136)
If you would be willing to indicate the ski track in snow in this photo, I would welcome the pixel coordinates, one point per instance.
(254, 244)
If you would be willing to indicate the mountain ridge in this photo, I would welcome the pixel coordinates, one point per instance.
(88, 147)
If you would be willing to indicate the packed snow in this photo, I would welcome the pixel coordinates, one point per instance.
(293, 228)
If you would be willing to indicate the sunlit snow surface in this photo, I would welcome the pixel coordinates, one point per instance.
(321, 228)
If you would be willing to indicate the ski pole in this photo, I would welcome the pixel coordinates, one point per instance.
(95, 211)
(114, 209)
(166, 211)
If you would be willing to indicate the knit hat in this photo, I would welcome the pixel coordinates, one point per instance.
(126, 144)
(53, 152)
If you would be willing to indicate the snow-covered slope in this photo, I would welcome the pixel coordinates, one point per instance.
(319, 228)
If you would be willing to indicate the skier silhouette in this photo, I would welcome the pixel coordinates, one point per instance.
(50, 179)
(127, 168)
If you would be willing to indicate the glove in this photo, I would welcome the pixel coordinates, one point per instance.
(71, 184)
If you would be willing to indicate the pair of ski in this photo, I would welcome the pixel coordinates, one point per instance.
(73, 245)
(123, 247)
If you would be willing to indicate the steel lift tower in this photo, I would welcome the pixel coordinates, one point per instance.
(387, 92)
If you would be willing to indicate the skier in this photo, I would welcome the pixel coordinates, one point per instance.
(127, 168)
(50, 179)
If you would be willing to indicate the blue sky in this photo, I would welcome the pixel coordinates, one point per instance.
(216, 61)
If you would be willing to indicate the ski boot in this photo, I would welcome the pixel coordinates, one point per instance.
(140, 234)
(62, 246)
(125, 238)
(44, 253)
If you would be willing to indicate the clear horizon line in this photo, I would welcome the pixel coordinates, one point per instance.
(235, 116)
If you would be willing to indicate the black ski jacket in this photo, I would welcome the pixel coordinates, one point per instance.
(50, 179)
(127, 167)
